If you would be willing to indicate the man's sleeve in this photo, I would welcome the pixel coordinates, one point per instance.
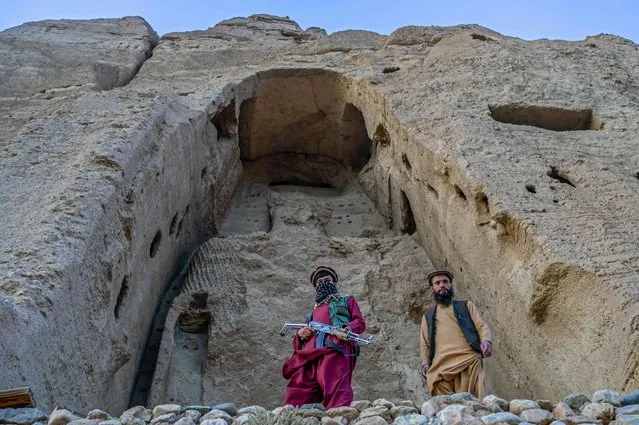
(424, 345)
(357, 323)
(482, 327)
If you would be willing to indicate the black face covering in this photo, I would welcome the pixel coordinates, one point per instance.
(445, 297)
(326, 291)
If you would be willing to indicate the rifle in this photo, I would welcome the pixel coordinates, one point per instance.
(327, 329)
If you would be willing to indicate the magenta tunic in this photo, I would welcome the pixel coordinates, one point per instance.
(323, 375)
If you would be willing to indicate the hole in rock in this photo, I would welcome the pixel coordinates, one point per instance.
(481, 37)
(408, 219)
(559, 175)
(406, 162)
(198, 300)
(381, 135)
(547, 117)
(432, 190)
(194, 321)
(289, 134)
(124, 290)
(531, 188)
(155, 244)
(637, 175)
(225, 122)
(180, 227)
(173, 224)
(460, 192)
(482, 204)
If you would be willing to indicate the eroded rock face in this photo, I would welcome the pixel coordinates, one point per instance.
(255, 281)
(513, 162)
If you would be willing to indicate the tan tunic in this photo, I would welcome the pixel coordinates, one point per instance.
(456, 366)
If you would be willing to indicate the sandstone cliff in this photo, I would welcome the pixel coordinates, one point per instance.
(514, 163)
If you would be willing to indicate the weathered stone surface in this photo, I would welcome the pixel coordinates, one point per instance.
(217, 414)
(286, 409)
(229, 408)
(361, 405)
(193, 414)
(430, 408)
(462, 397)
(458, 415)
(402, 410)
(604, 412)
(311, 413)
(494, 408)
(607, 396)
(518, 405)
(626, 420)
(218, 421)
(243, 419)
(60, 417)
(576, 400)
(185, 421)
(198, 408)
(376, 411)
(579, 419)
(46, 67)
(98, 415)
(163, 409)
(350, 413)
(319, 406)
(493, 399)
(253, 410)
(632, 409)
(334, 420)
(371, 420)
(408, 403)
(503, 417)
(311, 420)
(383, 402)
(110, 422)
(140, 412)
(22, 416)
(562, 410)
(536, 416)
(130, 420)
(167, 418)
(442, 399)
(414, 419)
(83, 421)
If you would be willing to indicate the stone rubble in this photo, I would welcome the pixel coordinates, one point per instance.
(606, 407)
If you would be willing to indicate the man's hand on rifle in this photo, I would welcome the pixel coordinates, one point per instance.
(305, 333)
(341, 334)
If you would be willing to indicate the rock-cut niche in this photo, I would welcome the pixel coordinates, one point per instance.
(300, 129)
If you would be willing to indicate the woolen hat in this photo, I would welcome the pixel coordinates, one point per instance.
(323, 271)
(439, 273)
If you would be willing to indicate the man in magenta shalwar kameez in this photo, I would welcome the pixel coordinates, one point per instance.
(321, 368)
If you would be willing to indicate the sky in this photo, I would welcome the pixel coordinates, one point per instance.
(558, 19)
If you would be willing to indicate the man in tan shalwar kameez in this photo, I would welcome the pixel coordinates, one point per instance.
(456, 366)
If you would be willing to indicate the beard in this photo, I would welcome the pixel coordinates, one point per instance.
(445, 297)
